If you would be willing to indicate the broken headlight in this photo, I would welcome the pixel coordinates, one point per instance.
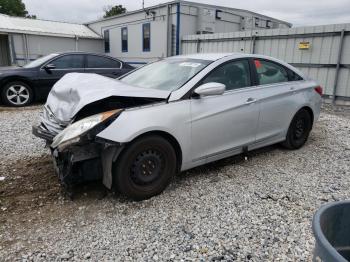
(73, 132)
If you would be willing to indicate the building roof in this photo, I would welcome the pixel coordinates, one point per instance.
(188, 3)
(10, 24)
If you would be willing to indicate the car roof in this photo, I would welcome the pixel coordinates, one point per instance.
(204, 56)
(218, 56)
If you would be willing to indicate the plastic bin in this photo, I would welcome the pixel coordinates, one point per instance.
(331, 227)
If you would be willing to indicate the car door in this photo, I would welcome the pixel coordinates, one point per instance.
(223, 125)
(278, 98)
(104, 66)
(55, 69)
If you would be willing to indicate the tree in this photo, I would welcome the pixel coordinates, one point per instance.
(14, 8)
(114, 10)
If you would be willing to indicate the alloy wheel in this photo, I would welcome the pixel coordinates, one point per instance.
(18, 95)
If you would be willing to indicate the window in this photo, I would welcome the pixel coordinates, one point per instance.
(270, 73)
(101, 62)
(233, 75)
(69, 61)
(124, 39)
(167, 74)
(294, 76)
(146, 37)
(107, 44)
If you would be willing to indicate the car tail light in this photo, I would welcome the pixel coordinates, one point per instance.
(319, 90)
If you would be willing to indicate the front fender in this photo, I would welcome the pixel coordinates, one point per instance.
(173, 118)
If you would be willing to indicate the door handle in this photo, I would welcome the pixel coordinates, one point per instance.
(250, 100)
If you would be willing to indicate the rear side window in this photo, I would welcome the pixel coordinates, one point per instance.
(294, 76)
(101, 62)
(270, 73)
(69, 62)
(233, 75)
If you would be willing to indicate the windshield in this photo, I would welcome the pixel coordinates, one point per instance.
(39, 61)
(168, 74)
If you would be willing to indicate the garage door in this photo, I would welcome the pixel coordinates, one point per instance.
(4, 51)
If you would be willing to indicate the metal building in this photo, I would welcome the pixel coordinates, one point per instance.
(322, 52)
(154, 32)
(23, 39)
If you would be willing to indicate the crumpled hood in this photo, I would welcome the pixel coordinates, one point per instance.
(76, 90)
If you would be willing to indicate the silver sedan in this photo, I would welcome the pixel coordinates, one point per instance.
(135, 133)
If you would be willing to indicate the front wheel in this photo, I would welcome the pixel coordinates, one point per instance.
(145, 168)
(17, 94)
(299, 130)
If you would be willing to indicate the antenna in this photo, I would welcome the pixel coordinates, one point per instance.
(143, 4)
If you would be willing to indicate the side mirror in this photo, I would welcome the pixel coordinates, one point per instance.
(49, 67)
(210, 89)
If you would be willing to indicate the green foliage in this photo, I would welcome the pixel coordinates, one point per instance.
(114, 10)
(14, 8)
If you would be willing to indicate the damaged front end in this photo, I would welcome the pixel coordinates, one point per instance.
(79, 156)
(72, 118)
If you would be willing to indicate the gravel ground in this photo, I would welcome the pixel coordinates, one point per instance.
(254, 208)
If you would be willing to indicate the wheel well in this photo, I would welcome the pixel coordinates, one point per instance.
(172, 140)
(309, 110)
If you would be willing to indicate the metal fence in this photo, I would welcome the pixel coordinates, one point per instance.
(321, 52)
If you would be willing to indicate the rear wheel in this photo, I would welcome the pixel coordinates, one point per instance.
(299, 130)
(17, 94)
(145, 168)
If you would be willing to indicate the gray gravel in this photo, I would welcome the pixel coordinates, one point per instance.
(257, 208)
(17, 140)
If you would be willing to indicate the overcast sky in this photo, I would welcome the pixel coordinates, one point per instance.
(298, 12)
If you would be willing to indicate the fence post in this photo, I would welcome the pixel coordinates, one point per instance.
(336, 79)
(198, 45)
(253, 44)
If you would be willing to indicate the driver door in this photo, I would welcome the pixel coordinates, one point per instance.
(62, 65)
(222, 125)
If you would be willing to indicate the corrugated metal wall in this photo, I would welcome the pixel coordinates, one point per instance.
(327, 60)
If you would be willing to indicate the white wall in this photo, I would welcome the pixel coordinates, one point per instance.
(39, 46)
(163, 38)
(134, 22)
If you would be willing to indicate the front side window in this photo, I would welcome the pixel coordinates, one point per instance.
(124, 39)
(167, 74)
(233, 75)
(93, 61)
(146, 37)
(69, 62)
(106, 38)
(270, 73)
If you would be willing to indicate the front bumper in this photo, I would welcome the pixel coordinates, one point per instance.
(87, 162)
(41, 132)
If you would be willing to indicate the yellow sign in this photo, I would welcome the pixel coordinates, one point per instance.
(304, 45)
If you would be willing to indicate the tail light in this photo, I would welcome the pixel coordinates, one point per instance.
(319, 90)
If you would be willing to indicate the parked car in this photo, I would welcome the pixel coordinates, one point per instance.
(172, 115)
(20, 86)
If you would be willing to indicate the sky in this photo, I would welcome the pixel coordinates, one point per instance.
(297, 12)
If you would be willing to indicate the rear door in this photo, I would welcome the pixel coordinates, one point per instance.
(104, 66)
(62, 65)
(279, 99)
(223, 125)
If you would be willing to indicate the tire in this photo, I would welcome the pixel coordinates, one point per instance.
(145, 168)
(299, 130)
(17, 94)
